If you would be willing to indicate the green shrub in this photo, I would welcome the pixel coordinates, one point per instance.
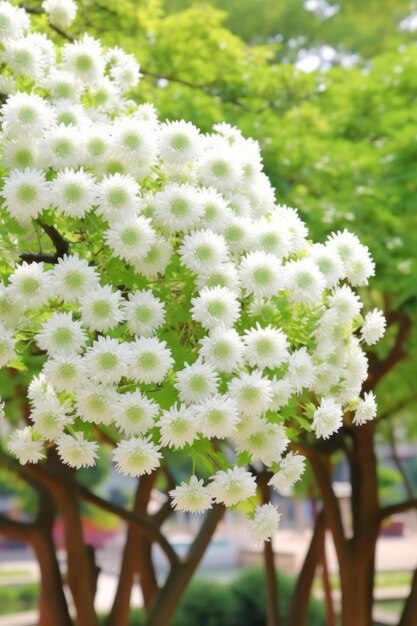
(206, 603)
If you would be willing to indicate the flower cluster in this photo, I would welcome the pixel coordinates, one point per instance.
(190, 308)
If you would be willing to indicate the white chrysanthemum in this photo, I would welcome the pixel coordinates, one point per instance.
(76, 451)
(295, 226)
(72, 278)
(232, 486)
(136, 142)
(106, 96)
(197, 382)
(125, 70)
(291, 468)
(25, 447)
(60, 147)
(272, 237)
(61, 334)
(261, 274)
(101, 309)
(9, 313)
(265, 347)
(264, 523)
(63, 85)
(220, 169)
(134, 413)
(373, 328)
(20, 153)
(84, 59)
(239, 205)
(66, 372)
(328, 418)
(61, 13)
(23, 58)
(26, 194)
(69, 113)
(345, 302)
(73, 193)
(49, 418)
(327, 376)
(224, 275)
(7, 346)
(360, 267)
(29, 286)
(46, 47)
(217, 416)
(281, 393)
(177, 207)
(223, 349)
(151, 360)
(144, 313)
(215, 210)
(14, 21)
(301, 370)
(26, 115)
(178, 141)
(328, 262)
(156, 260)
(179, 426)
(130, 237)
(136, 457)
(117, 195)
(40, 389)
(366, 410)
(264, 441)
(252, 393)
(305, 282)
(203, 248)
(95, 403)
(107, 360)
(98, 144)
(8, 85)
(238, 234)
(192, 497)
(345, 244)
(215, 306)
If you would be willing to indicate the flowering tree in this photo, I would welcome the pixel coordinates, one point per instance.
(157, 299)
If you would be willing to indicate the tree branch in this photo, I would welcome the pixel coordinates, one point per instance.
(60, 243)
(399, 507)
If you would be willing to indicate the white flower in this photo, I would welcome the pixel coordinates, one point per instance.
(151, 360)
(134, 413)
(366, 410)
(61, 146)
(49, 418)
(14, 21)
(97, 144)
(360, 267)
(63, 85)
(301, 370)
(76, 451)
(261, 274)
(73, 193)
(305, 282)
(238, 234)
(156, 260)
(179, 426)
(23, 58)
(29, 286)
(24, 447)
(7, 346)
(136, 457)
(61, 13)
(272, 237)
(26, 115)
(203, 248)
(117, 195)
(101, 308)
(178, 141)
(107, 360)
(9, 314)
(144, 313)
(328, 262)
(84, 59)
(217, 416)
(193, 496)
(20, 153)
(328, 418)
(220, 169)
(345, 244)
(65, 371)
(265, 347)
(224, 275)
(232, 486)
(95, 403)
(281, 392)
(72, 278)
(223, 349)
(177, 207)
(215, 210)
(215, 306)
(291, 469)
(293, 224)
(130, 238)
(345, 302)
(264, 523)
(136, 141)
(26, 194)
(40, 389)
(61, 334)
(264, 441)
(196, 382)
(125, 70)
(373, 328)
(252, 392)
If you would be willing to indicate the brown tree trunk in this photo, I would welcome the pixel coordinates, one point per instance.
(409, 613)
(167, 600)
(271, 578)
(355, 575)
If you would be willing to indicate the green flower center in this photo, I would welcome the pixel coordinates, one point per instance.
(97, 147)
(30, 286)
(215, 416)
(148, 360)
(27, 115)
(179, 142)
(84, 63)
(264, 347)
(63, 336)
(23, 158)
(117, 197)
(198, 383)
(179, 207)
(221, 350)
(67, 371)
(250, 394)
(216, 308)
(101, 308)
(27, 193)
(220, 169)
(130, 236)
(144, 314)
(204, 252)
(135, 414)
(132, 141)
(73, 193)
(74, 280)
(63, 148)
(108, 360)
(262, 276)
